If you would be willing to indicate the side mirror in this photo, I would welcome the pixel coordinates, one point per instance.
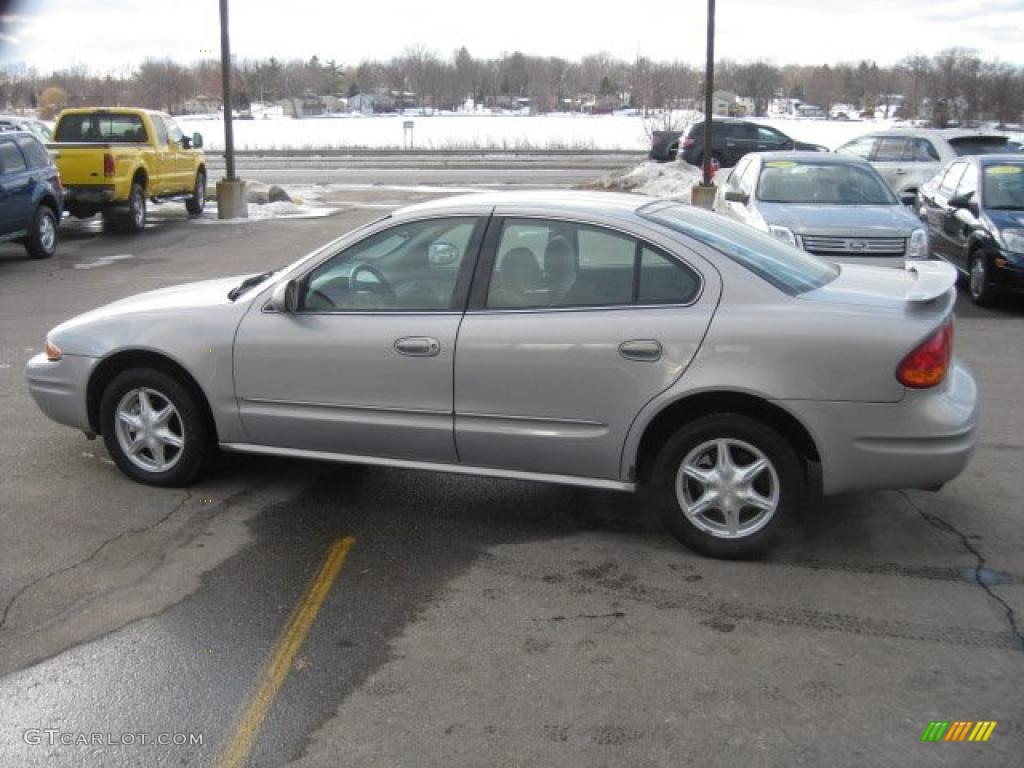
(963, 202)
(735, 196)
(442, 254)
(908, 198)
(197, 140)
(186, 142)
(285, 297)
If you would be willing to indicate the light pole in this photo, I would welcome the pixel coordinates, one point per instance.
(231, 202)
(703, 194)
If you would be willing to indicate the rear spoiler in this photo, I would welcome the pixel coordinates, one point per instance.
(932, 279)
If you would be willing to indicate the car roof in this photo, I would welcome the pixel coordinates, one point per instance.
(819, 158)
(945, 133)
(18, 133)
(554, 200)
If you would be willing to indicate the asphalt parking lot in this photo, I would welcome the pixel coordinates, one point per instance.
(469, 622)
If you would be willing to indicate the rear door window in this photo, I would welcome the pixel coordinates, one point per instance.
(890, 149)
(920, 151)
(11, 159)
(35, 152)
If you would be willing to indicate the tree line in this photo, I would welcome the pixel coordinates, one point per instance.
(954, 85)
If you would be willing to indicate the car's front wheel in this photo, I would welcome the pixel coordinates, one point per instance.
(982, 291)
(726, 485)
(154, 428)
(41, 242)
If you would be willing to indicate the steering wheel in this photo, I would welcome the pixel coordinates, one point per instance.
(381, 286)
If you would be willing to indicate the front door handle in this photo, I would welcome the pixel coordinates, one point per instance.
(418, 346)
(641, 350)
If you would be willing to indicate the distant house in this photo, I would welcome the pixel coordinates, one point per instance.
(382, 100)
(202, 105)
(810, 110)
(306, 105)
(726, 103)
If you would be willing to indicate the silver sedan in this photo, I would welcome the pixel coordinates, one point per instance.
(609, 341)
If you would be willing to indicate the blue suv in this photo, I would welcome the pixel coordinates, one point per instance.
(31, 197)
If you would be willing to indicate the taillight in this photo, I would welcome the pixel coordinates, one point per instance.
(688, 142)
(108, 164)
(927, 364)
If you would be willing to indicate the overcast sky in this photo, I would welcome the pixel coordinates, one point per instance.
(114, 35)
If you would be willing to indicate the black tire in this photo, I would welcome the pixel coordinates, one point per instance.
(788, 479)
(195, 204)
(189, 421)
(134, 219)
(979, 284)
(41, 242)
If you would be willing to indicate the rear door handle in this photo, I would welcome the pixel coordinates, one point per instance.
(417, 346)
(641, 350)
(900, 171)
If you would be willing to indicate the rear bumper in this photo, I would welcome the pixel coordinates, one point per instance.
(59, 388)
(923, 441)
(91, 194)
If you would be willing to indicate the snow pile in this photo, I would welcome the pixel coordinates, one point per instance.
(671, 180)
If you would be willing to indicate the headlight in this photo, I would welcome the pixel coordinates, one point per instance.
(1013, 239)
(783, 233)
(53, 352)
(918, 248)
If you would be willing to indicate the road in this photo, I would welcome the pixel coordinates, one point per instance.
(482, 169)
(476, 622)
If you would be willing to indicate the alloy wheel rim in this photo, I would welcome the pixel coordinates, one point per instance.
(47, 232)
(977, 277)
(149, 430)
(139, 208)
(728, 488)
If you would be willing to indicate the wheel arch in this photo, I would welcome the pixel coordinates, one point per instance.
(678, 413)
(140, 175)
(122, 360)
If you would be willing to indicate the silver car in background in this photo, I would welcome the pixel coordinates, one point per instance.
(834, 206)
(608, 341)
(908, 157)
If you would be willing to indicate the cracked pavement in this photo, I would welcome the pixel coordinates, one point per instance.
(483, 621)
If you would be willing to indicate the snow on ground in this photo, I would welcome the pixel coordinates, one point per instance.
(474, 132)
(671, 180)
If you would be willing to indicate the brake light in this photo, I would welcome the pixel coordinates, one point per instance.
(927, 364)
(688, 142)
(108, 164)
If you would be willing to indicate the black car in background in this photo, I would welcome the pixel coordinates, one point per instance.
(974, 208)
(731, 139)
(31, 197)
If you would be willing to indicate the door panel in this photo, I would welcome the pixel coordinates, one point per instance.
(16, 182)
(552, 383)
(364, 366)
(332, 382)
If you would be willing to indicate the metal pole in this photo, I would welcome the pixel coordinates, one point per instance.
(709, 86)
(225, 70)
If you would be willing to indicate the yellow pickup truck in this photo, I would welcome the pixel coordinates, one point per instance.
(112, 160)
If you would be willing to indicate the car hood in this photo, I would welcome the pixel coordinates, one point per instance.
(848, 220)
(129, 321)
(1005, 219)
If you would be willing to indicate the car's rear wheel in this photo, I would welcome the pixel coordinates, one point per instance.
(41, 242)
(154, 428)
(982, 291)
(727, 484)
(134, 220)
(195, 204)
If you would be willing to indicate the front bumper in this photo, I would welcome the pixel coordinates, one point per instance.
(59, 388)
(923, 441)
(1009, 277)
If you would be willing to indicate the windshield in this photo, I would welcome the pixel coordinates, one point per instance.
(789, 269)
(979, 145)
(101, 128)
(787, 181)
(1003, 186)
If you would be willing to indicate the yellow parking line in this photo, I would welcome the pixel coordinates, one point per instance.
(235, 751)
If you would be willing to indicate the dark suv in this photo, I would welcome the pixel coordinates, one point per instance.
(31, 197)
(732, 139)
